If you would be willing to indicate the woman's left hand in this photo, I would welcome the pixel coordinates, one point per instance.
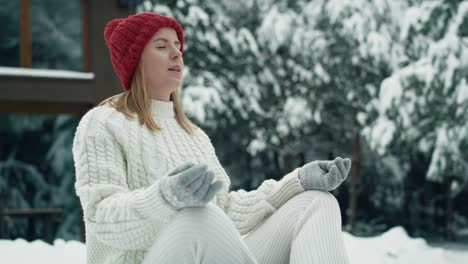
(324, 175)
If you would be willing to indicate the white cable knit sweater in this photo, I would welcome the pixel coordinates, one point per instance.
(118, 166)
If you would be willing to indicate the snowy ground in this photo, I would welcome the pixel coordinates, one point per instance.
(396, 247)
(392, 247)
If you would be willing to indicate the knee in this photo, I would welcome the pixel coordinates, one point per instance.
(202, 225)
(320, 207)
(201, 218)
(319, 201)
(204, 213)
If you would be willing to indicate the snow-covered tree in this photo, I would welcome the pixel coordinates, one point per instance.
(423, 105)
(352, 51)
(37, 171)
(283, 79)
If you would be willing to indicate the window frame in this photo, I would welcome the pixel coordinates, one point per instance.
(25, 35)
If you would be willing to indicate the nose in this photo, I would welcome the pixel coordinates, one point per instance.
(176, 53)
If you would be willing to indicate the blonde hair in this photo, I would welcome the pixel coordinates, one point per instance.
(136, 101)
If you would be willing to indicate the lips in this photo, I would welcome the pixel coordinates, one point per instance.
(175, 68)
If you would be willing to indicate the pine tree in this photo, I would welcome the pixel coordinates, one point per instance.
(424, 102)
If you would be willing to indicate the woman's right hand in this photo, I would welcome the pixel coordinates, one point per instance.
(189, 185)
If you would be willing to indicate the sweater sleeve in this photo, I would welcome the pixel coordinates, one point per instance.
(248, 209)
(114, 214)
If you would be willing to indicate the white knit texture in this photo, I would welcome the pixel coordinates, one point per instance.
(118, 165)
(306, 229)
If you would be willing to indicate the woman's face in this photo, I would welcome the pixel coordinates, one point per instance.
(162, 64)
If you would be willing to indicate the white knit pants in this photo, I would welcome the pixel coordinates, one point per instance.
(306, 229)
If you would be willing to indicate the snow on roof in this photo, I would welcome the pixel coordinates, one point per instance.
(45, 73)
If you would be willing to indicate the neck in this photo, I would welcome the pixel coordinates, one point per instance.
(158, 97)
(162, 109)
(161, 94)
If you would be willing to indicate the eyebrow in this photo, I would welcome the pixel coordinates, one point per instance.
(165, 40)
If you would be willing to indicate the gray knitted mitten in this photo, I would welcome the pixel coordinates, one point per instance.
(324, 175)
(189, 185)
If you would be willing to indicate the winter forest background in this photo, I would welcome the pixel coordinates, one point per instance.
(276, 84)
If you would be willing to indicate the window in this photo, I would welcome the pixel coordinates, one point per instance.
(9, 34)
(45, 34)
(56, 34)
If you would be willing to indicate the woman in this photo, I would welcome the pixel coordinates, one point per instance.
(152, 188)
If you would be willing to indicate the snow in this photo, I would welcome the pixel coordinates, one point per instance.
(196, 98)
(20, 251)
(275, 28)
(417, 16)
(396, 247)
(198, 16)
(391, 247)
(249, 85)
(44, 73)
(295, 114)
(446, 148)
(380, 134)
(390, 89)
(462, 92)
(246, 36)
(256, 146)
(438, 161)
(378, 46)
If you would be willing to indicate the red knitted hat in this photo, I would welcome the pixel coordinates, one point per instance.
(126, 38)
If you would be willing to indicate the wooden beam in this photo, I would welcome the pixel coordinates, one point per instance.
(53, 90)
(25, 34)
(85, 35)
(100, 13)
(33, 211)
(44, 107)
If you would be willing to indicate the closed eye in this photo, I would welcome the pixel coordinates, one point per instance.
(163, 40)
